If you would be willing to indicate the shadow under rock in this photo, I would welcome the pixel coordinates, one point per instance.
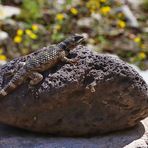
(16, 138)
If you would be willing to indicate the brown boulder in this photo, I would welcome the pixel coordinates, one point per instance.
(62, 105)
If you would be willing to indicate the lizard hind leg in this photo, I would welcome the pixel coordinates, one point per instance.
(35, 78)
(10, 72)
(16, 80)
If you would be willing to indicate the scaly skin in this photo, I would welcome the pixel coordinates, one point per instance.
(43, 60)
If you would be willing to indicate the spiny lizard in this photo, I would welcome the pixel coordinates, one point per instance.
(43, 60)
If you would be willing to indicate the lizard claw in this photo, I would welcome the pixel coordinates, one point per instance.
(74, 61)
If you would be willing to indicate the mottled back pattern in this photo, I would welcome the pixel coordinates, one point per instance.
(41, 61)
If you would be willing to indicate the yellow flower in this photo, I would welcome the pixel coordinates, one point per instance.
(35, 27)
(120, 15)
(57, 27)
(121, 24)
(3, 57)
(20, 32)
(28, 32)
(103, 1)
(17, 39)
(60, 16)
(31, 34)
(104, 10)
(1, 50)
(74, 11)
(137, 39)
(143, 46)
(142, 55)
(93, 5)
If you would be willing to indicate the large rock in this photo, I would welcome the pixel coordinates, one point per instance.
(62, 105)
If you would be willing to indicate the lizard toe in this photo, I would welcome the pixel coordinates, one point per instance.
(12, 85)
(3, 92)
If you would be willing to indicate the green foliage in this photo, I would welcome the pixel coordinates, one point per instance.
(56, 37)
(68, 2)
(31, 10)
(144, 5)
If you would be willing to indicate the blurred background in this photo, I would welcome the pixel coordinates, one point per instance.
(112, 26)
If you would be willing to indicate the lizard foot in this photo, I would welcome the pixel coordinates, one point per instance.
(71, 61)
(36, 81)
(35, 78)
(12, 85)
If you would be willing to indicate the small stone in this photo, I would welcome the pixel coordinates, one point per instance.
(8, 11)
(85, 22)
(3, 35)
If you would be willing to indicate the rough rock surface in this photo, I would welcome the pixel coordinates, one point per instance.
(62, 105)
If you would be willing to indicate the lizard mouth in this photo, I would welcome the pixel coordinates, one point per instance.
(79, 38)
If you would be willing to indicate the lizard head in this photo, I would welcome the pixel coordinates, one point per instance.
(71, 42)
(77, 38)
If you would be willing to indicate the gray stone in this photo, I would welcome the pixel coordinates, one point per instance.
(133, 138)
(61, 104)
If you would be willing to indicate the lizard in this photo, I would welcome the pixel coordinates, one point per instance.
(43, 60)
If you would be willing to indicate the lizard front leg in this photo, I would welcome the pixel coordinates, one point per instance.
(71, 61)
(63, 58)
(35, 78)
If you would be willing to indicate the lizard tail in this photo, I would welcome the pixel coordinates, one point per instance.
(17, 80)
